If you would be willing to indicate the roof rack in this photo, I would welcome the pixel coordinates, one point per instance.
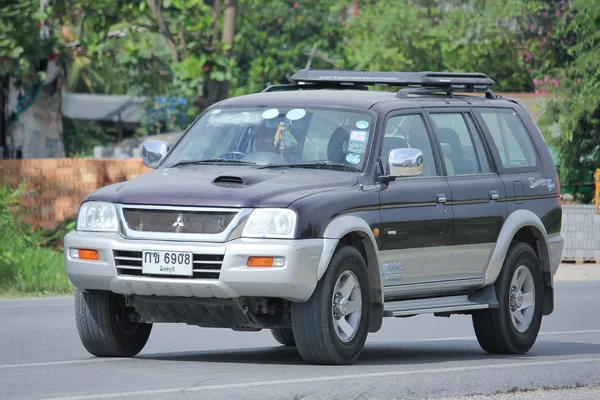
(313, 86)
(424, 82)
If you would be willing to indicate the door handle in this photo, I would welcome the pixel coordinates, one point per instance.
(441, 198)
(494, 195)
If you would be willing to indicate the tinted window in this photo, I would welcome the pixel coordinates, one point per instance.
(408, 131)
(510, 138)
(462, 147)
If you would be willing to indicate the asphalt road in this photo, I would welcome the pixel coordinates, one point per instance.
(421, 357)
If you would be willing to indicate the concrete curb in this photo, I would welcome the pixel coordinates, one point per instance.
(578, 272)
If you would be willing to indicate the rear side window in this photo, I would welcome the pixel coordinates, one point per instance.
(510, 138)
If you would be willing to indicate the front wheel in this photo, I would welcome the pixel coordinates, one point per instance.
(513, 327)
(105, 327)
(332, 326)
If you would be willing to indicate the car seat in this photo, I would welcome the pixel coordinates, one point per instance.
(337, 145)
(460, 164)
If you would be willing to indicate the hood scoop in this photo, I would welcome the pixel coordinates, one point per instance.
(228, 180)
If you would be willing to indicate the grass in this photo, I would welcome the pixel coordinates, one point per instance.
(30, 262)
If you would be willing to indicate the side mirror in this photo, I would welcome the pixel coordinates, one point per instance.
(405, 162)
(153, 152)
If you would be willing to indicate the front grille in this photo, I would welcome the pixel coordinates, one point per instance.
(206, 266)
(176, 221)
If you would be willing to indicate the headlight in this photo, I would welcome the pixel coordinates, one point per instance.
(97, 216)
(270, 223)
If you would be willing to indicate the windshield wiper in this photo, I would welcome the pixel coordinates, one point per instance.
(212, 161)
(315, 165)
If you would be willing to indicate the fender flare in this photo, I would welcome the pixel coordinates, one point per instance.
(341, 226)
(515, 221)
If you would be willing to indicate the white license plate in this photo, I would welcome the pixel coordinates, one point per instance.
(167, 263)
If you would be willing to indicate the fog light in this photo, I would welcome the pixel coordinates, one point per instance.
(85, 254)
(74, 253)
(266, 262)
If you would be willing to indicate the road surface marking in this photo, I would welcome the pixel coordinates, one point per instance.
(450, 339)
(328, 379)
(37, 305)
(68, 362)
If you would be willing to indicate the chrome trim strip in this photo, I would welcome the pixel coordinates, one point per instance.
(431, 305)
(208, 262)
(127, 232)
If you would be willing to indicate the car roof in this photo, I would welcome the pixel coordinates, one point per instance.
(356, 99)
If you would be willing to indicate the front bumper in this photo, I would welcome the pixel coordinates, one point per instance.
(295, 281)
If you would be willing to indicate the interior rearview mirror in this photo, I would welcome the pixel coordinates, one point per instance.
(153, 152)
(405, 162)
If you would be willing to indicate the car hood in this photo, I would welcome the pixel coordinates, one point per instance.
(224, 186)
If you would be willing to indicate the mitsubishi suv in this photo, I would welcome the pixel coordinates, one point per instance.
(318, 208)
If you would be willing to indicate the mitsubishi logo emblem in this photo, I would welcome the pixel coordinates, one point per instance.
(178, 223)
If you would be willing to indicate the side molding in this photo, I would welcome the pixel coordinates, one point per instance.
(514, 222)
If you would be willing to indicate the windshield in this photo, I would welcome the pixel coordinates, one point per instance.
(276, 136)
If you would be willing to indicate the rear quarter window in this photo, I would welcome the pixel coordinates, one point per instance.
(510, 138)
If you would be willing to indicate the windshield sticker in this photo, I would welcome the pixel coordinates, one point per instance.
(362, 124)
(533, 183)
(295, 114)
(353, 158)
(357, 147)
(270, 113)
(234, 118)
(359, 136)
(218, 110)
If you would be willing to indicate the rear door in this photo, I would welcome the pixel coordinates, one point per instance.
(476, 190)
(416, 222)
(529, 184)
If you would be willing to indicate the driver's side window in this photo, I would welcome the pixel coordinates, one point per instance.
(407, 131)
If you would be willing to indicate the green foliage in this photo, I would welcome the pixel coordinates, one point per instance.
(21, 48)
(80, 137)
(448, 35)
(26, 264)
(576, 107)
(275, 39)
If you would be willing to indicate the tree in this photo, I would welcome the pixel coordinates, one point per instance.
(276, 38)
(575, 110)
(22, 49)
(448, 35)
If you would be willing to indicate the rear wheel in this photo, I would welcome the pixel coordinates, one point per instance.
(513, 327)
(285, 336)
(332, 326)
(105, 325)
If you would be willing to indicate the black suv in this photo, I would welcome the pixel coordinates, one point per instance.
(318, 208)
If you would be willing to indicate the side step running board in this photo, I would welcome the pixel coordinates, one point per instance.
(446, 304)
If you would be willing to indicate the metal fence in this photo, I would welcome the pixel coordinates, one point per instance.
(581, 230)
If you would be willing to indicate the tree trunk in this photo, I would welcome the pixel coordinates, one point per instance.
(164, 29)
(228, 38)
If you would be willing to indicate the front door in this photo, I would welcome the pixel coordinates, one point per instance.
(416, 222)
(478, 195)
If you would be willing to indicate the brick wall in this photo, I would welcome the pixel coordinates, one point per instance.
(54, 188)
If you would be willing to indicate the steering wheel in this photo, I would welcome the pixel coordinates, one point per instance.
(233, 155)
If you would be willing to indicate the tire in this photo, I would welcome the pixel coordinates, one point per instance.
(316, 334)
(285, 336)
(495, 329)
(102, 328)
